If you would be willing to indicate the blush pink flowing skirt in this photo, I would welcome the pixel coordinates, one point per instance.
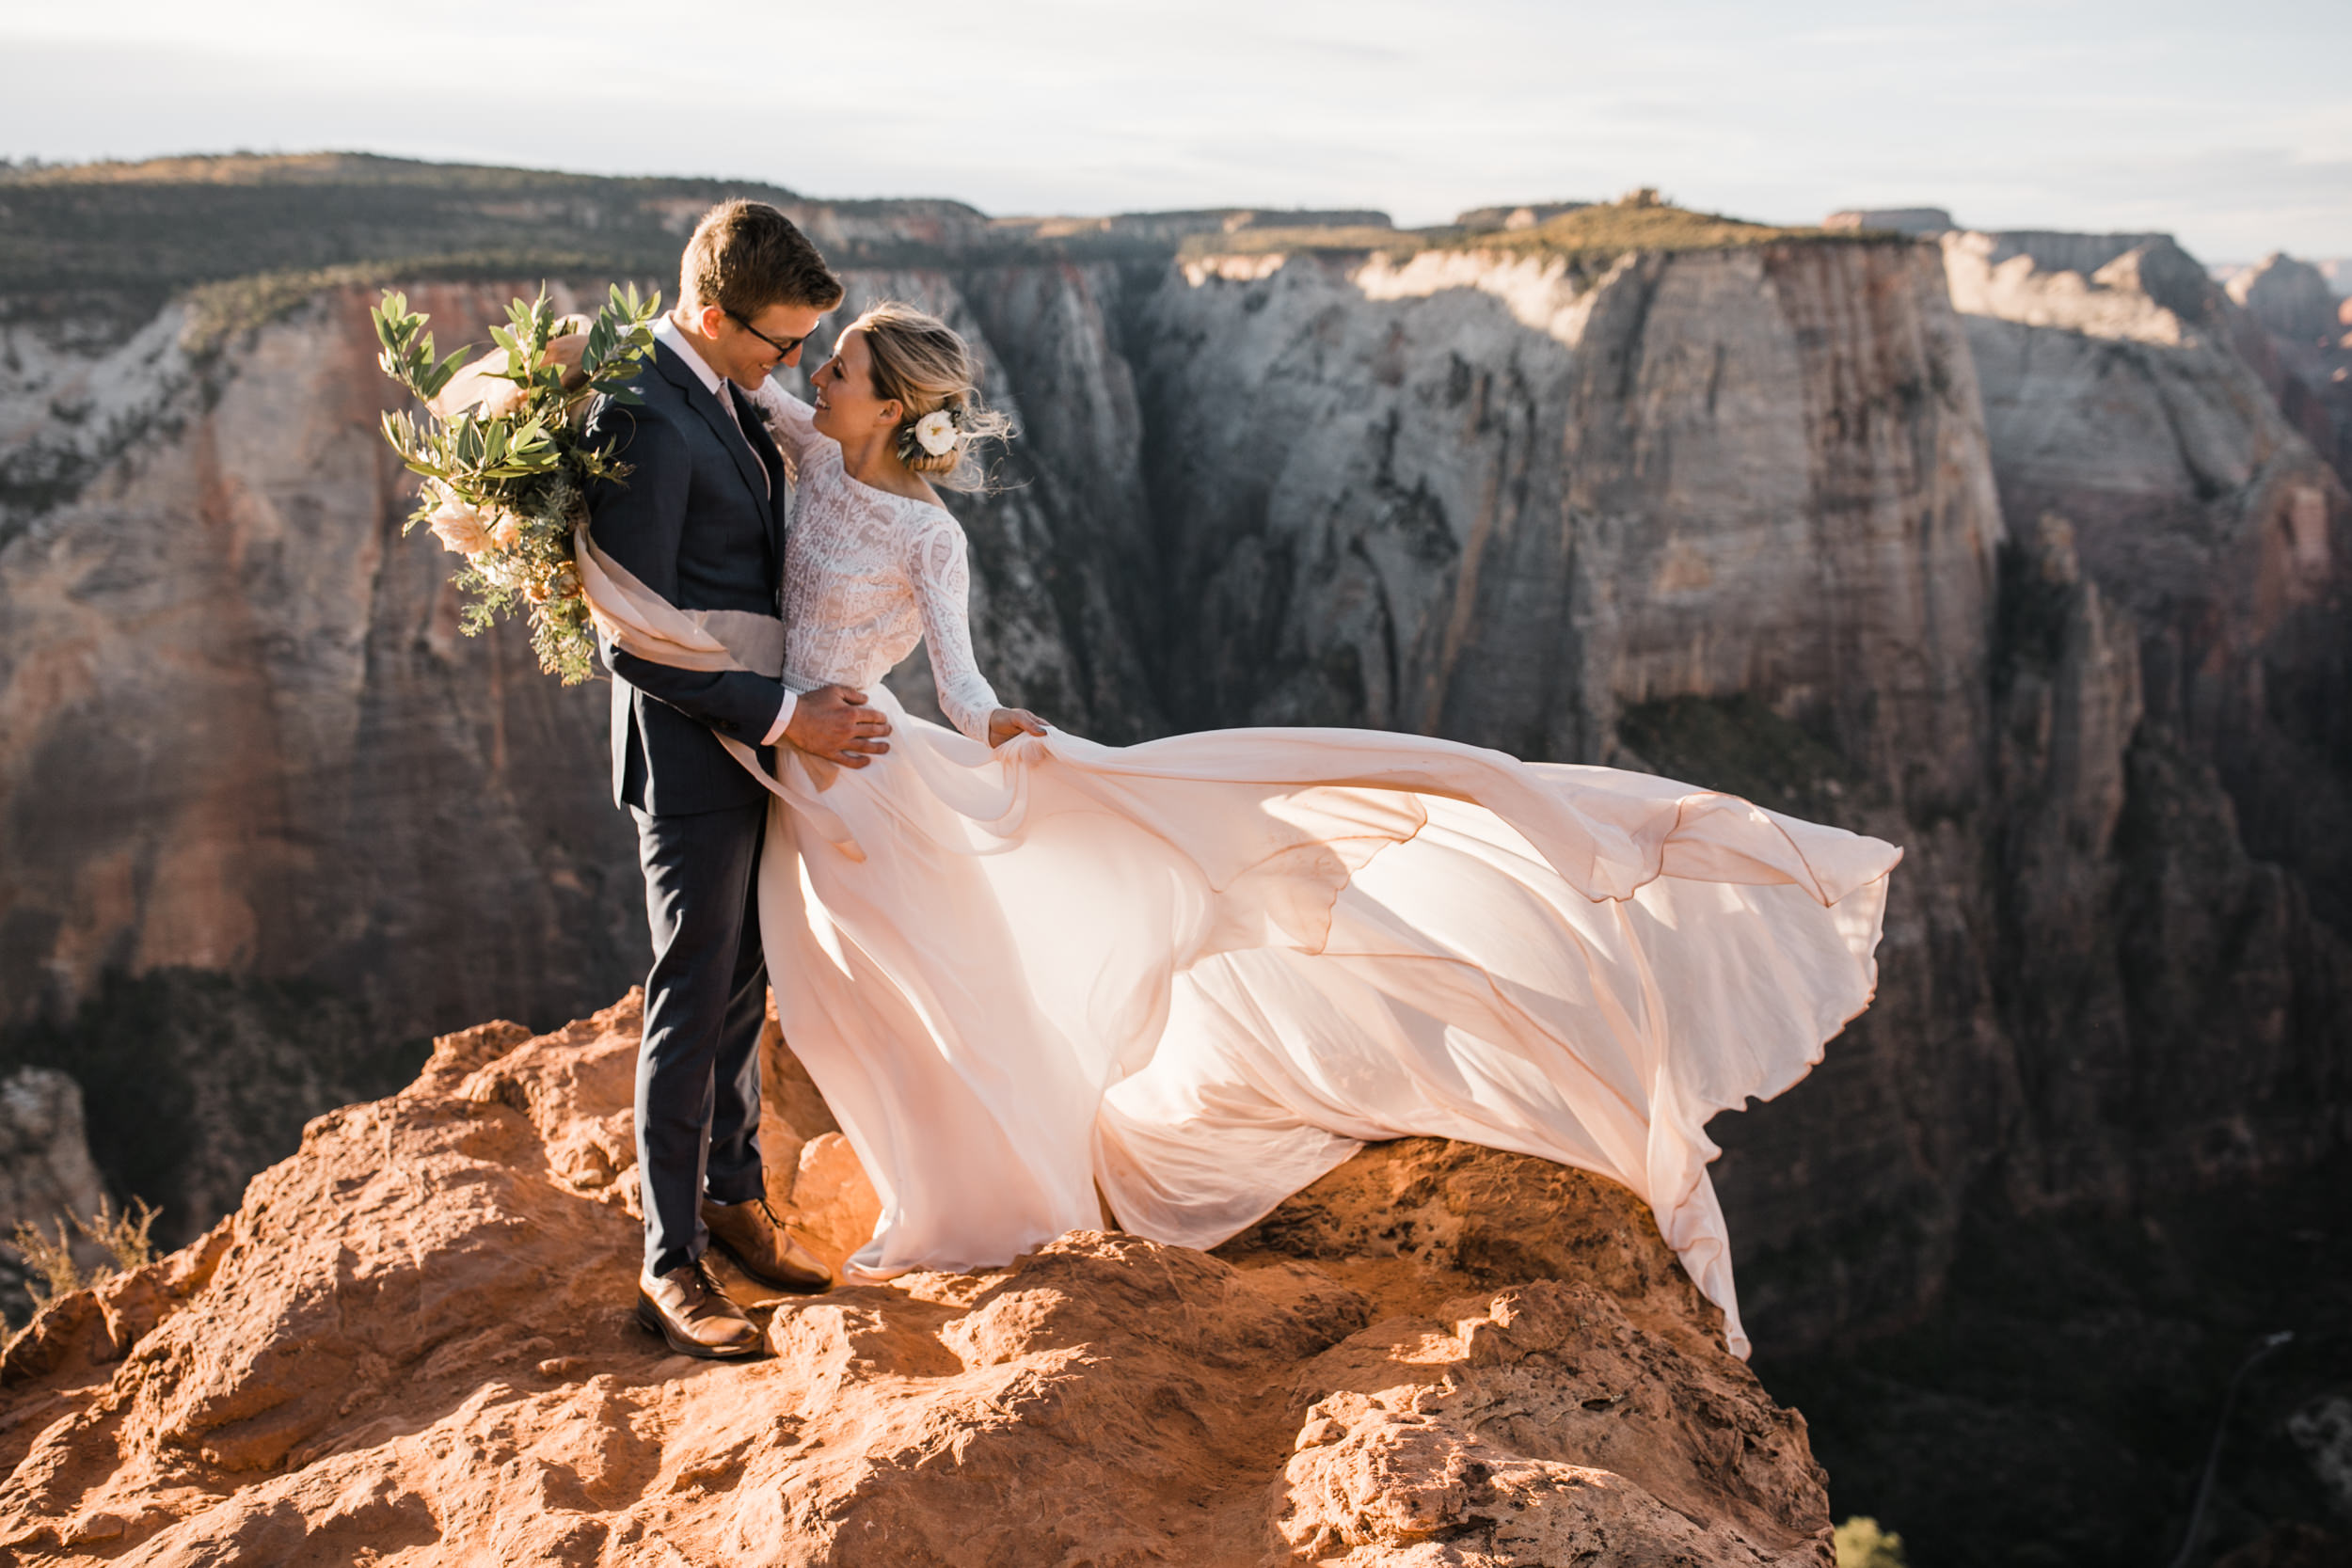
(1202, 972)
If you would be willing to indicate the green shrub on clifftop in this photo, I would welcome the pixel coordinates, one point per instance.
(1862, 1545)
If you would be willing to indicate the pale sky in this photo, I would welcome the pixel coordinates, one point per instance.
(2229, 125)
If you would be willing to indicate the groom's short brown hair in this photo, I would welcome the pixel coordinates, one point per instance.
(746, 255)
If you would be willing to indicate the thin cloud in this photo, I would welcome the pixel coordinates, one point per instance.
(2231, 129)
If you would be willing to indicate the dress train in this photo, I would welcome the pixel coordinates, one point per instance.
(1200, 972)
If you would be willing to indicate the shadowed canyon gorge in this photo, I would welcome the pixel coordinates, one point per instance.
(2027, 551)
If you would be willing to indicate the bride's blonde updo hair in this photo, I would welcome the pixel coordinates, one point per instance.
(927, 366)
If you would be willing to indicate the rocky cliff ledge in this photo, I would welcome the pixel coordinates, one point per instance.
(413, 1343)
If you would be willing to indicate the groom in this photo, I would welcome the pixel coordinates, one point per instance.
(701, 522)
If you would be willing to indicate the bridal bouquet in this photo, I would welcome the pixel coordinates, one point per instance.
(506, 480)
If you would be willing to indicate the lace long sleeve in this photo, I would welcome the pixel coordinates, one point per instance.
(941, 579)
(791, 421)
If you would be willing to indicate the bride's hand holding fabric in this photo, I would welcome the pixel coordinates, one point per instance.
(1005, 722)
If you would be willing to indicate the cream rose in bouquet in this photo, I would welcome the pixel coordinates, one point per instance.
(506, 477)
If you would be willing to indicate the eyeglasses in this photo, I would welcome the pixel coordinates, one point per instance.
(783, 346)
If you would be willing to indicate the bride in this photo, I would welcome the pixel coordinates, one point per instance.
(1198, 972)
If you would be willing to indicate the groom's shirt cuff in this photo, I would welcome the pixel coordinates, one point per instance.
(783, 717)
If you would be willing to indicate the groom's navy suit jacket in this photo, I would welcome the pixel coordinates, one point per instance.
(695, 524)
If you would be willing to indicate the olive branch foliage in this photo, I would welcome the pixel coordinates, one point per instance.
(504, 490)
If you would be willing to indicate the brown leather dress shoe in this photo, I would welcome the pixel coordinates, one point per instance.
(687, 1307)
(752, 1235)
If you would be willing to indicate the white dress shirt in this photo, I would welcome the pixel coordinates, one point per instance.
(666, 331)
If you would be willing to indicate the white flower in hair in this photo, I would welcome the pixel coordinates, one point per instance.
(935, 433)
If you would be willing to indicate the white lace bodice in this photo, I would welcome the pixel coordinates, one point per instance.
(867, 574)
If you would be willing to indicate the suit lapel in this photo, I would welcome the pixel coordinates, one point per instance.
(703, 402)
(779, 496)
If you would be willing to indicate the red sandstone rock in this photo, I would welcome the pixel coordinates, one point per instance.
(413, 1343)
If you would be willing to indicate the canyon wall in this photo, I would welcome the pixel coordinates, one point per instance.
(243, 746)
(2042, 588)
(2205, 1017)
(47, 1177)
(1723, 513)
(2074, 637)
(242, 733)
(241, 736)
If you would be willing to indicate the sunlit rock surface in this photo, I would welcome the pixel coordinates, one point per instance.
(414, 1342)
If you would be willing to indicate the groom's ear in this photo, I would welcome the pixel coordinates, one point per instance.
(710, 319)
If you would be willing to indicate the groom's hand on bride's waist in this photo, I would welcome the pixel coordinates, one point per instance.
(836, 724)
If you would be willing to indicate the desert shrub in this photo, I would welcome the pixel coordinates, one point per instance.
(1643, 222)
(123, 1237)
(50, 1261)
(1589, 236)
(1861, 1543)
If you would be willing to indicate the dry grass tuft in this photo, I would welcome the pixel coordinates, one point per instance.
(123, 1237)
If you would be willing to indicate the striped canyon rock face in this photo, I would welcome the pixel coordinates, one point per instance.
(413, 1342)
(2003, 547)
